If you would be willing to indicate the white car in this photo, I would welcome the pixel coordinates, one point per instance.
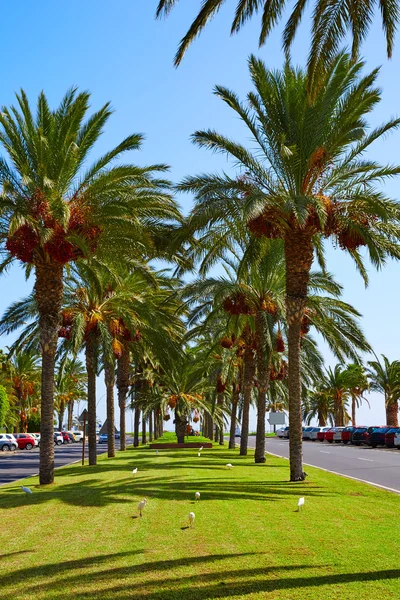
(8, 442)
(78, 435)
(281, 432)
(36, 437)
(337, 436)
(396, 440)
(315, 431)
(58, 439)
(306, 433)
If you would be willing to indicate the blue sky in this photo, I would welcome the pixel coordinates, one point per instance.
(121, 54)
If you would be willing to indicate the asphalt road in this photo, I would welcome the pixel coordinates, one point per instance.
(25, 463)
(379, 466)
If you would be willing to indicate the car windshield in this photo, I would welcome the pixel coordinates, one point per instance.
(360, 430)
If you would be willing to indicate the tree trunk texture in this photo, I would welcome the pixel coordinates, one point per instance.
(220, 435)
(48, 296)
(210, 427)
(144, 440)
(263, 364)
(123, 387)
(321, 419)
(235, 400)
(248, 382)
(353, 410)
(298, 260)
(70, 408)
(61, 415)
(155, 426)
(91, 360)
(180, 427)
(150, 426)
(392, 413)
(136, 423)
(338, 412)
(109, 377)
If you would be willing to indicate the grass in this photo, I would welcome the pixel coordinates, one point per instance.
(169, 437)
(82, 537)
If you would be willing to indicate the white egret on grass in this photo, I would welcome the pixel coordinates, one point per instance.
(157, 452)
(229, 466)
(141, 506)
(198, 454)
(300, 503)
(197, 496)
(26, 490)
(134, 471)
(192, 517)
(200, 449)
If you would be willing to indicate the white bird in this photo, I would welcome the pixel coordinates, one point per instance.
(198, 454)
(192, 517)
(229, 466)
(134, 471)
(197, 496)
(26, 490)
(157, 452)
(200, 449)
(300, 503)
(141, 506)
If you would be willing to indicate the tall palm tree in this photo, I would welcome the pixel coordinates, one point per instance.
(24, 375)
(305, 182)
(56, 210)
(358, 385)
(331, 22)
(336, 387)
(385, 379)
(70, 386)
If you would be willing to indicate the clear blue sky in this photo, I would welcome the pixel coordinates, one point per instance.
(120, 53)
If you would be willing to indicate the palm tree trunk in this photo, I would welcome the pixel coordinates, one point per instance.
(210, 428)
(61, 415)
(155, 426)
(321, 419)
(180, 427)
(123, 387)
(70, 414)
(150, 426)
(392, 412)
(109, 377)
(263, 363)
(235, 399)
(48, 296)
(91, 359)
(220, 432)
(136, 427)
(248, 377)
(144, 440)
(298, 261)
(353, 410)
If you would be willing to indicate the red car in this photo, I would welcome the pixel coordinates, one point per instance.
(24, 441)
(389, 437)
(65, 436)
(329, 435)
(346, 434)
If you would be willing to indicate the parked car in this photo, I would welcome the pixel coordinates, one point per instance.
(337, 435)
(396, 440)
(7, 442)
(360, 435)
(389, 436)
(315, 431)
(68, 437)
(377, 436)
(346, 434)
(286, 433)
(321, 434)
(37, 437)
(58, 439)
(78, 435)
(280, 432)
(329, 435)
(306, 432)
(103, 438)
(117, 435)
(25, 441)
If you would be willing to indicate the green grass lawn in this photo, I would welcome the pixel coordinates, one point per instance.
(169, 437)
(82, 538)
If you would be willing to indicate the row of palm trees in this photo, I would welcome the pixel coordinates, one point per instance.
(89, 234)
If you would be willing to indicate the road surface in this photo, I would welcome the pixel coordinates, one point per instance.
(25, 463)
(379, 466)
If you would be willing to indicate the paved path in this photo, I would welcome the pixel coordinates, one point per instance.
(374, 465)
(25, 463)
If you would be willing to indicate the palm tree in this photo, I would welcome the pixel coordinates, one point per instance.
(24, 374)
(318, 404)
(331, 22)
(358, 385)
(71, 383)
(336, 386)
(385, 379)
(56, 210)
(305, 182)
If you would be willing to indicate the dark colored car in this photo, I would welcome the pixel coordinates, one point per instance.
(346, 434)
(389, 436)
(377, 436)
(117, 435)
(24, 441)
(361, 435)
